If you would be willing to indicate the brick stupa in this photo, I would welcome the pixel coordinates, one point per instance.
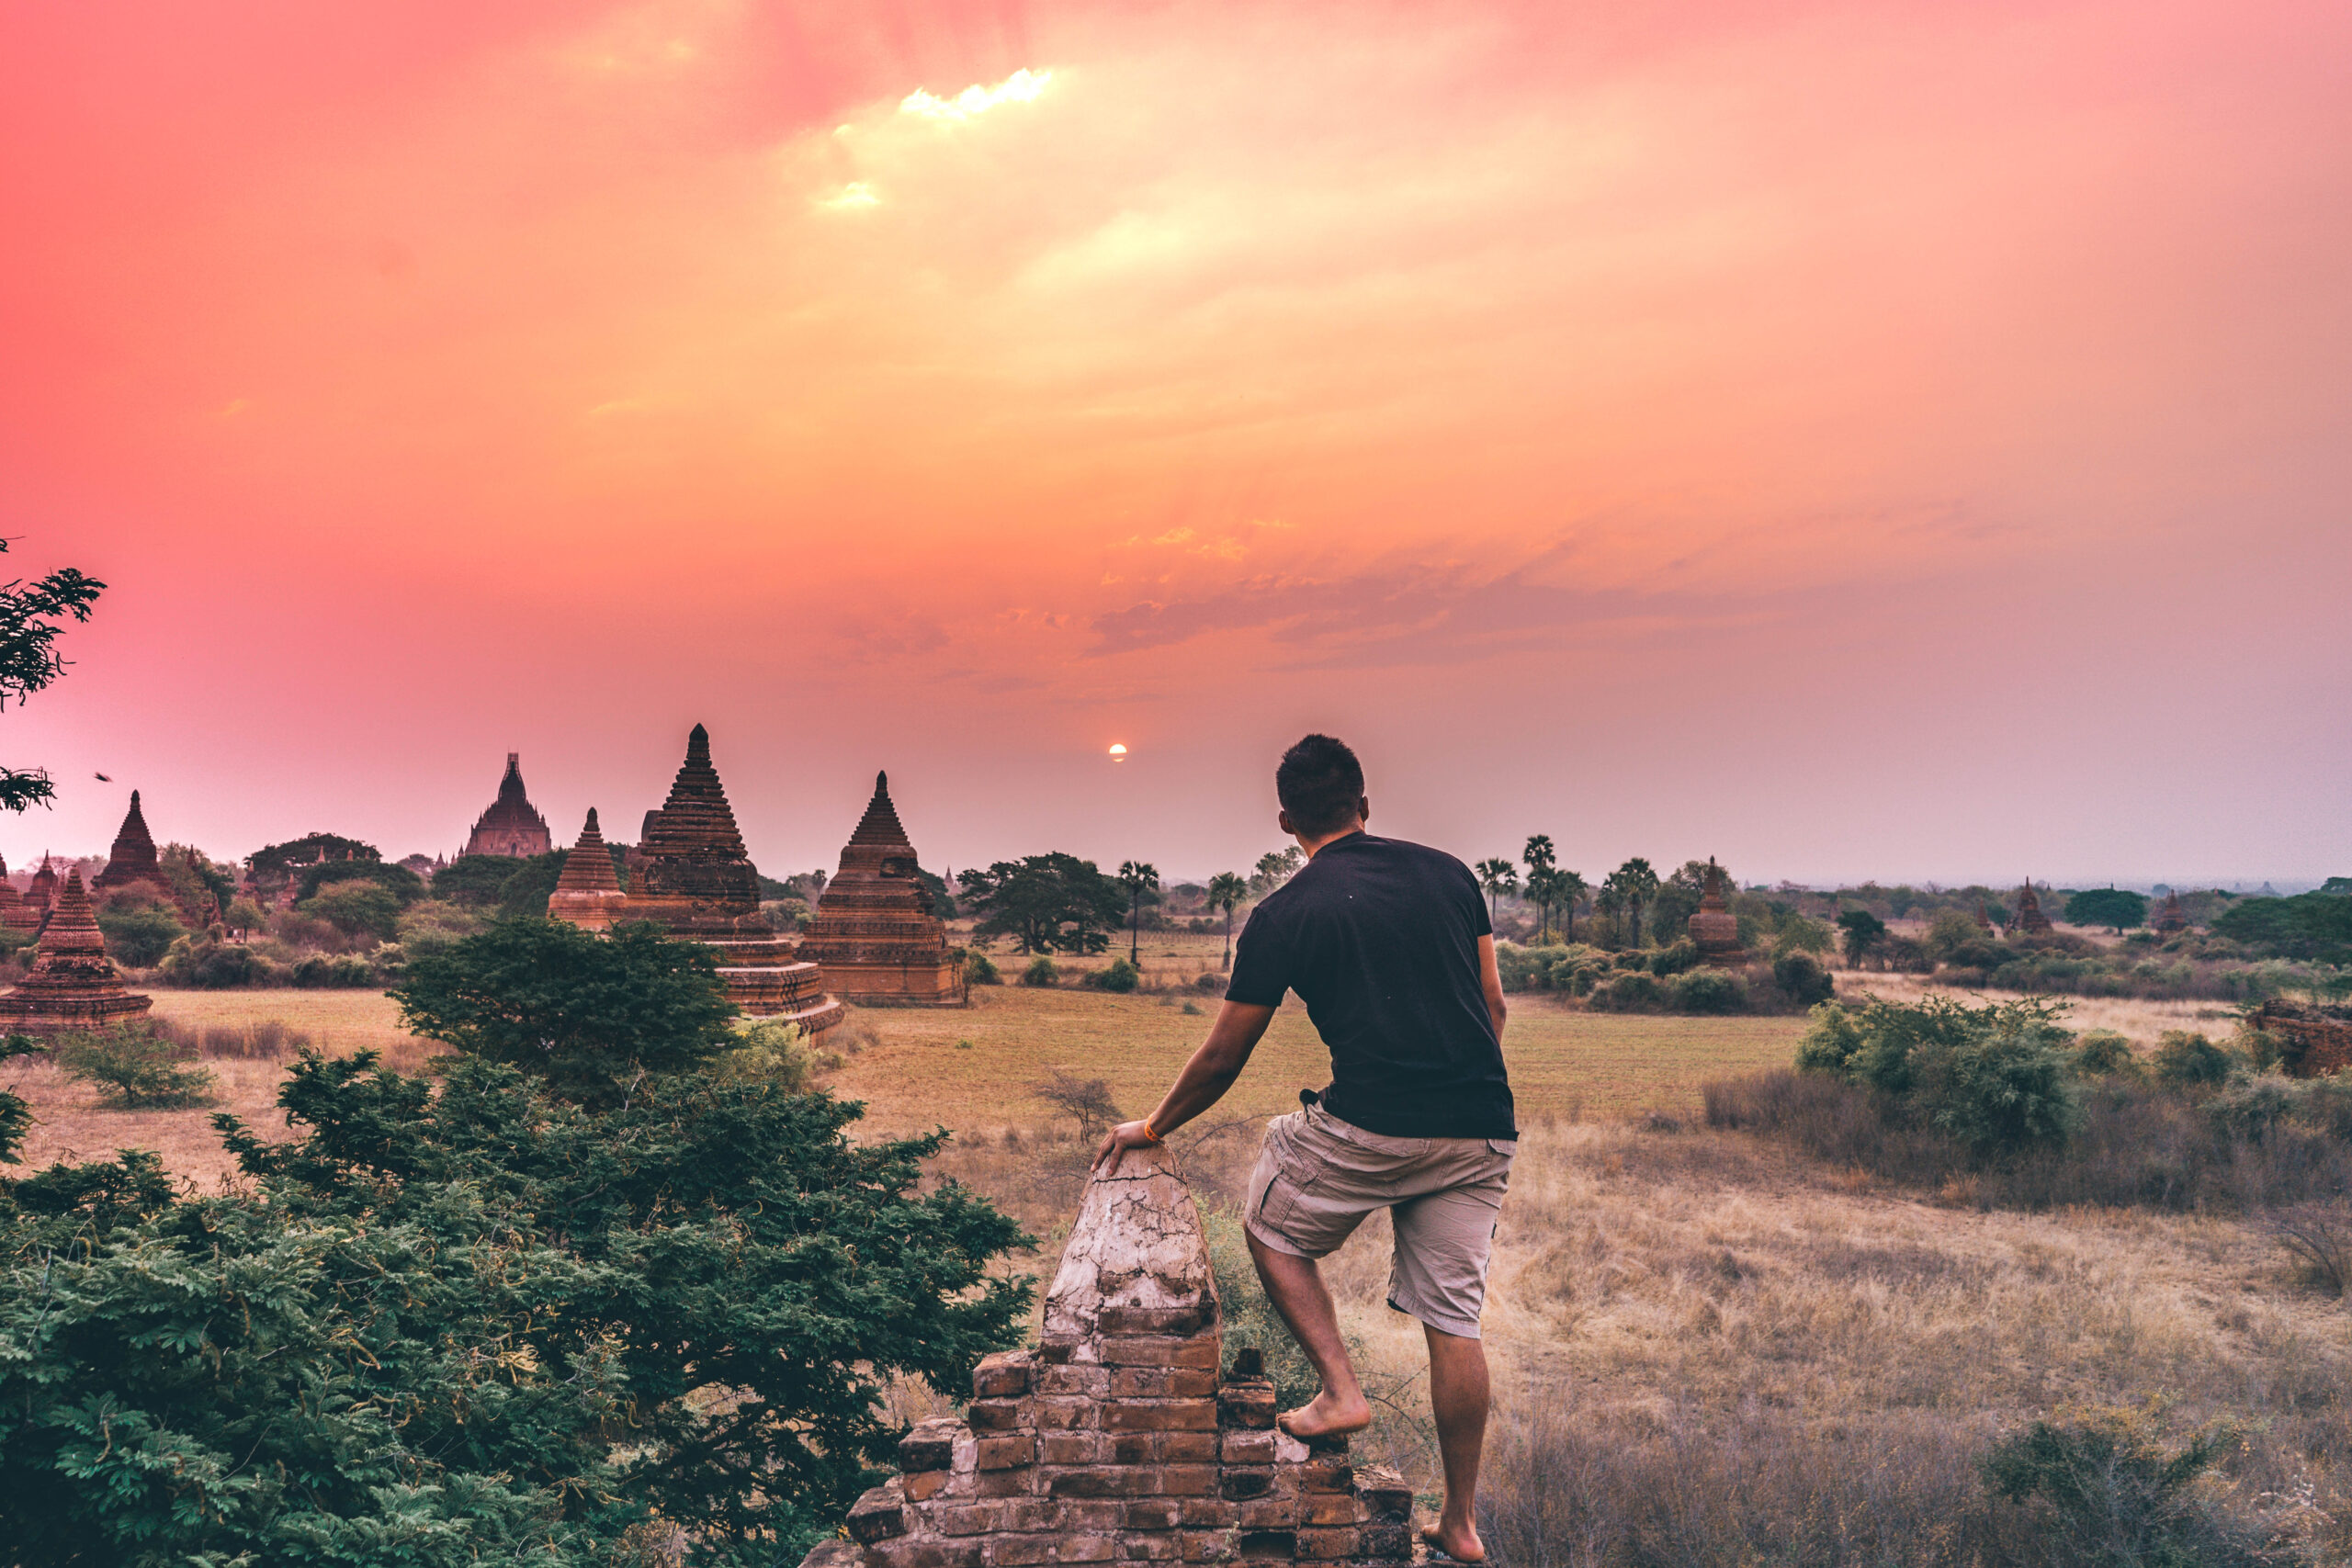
(43, 892)
(1715, 929)
(15, 913)
(693, 878)
(589, 893)
(132, 859)
(876, 935)
(1117, 1439)
(512, 826)
(73, 984)
(2030, 918)
(2170, 919)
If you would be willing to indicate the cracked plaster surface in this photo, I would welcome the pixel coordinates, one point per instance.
(1138, 1243)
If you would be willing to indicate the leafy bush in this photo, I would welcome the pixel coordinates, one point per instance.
(1801, 933)
(980, 969)
(1675, 958)
(483, 1326)
(1117, 976)
(135, 1066)
(138, 934)
(591, 1014)
(1994, 1077)
(2104, 1054)
(1707, 992)
(1803, 978)
(773, 1053)
(337, 971)
(1208, 980)
(208, 964)
(2110, 1494)
(2189, 1060)
(1630, 990)
(1041, 971)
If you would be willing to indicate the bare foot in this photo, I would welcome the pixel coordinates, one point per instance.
(1459, 1542)
(1324, 1417)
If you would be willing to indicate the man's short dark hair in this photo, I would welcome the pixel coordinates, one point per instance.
(1321, 784)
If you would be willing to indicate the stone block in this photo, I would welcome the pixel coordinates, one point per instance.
(929, 1445)
(1069, 1447)
(1159, 1350)
(924, 1485)
(916, 1551)
(1018, 1551)
(1159, 1415)
(1004, 1375)
(1162, 1382)
(1055, 1349)
(1270, 1514)
(1386, 1542)
(1385, 1493)
(1085, 1549)
(1017, 1483)
(1188, 1480)
(1261, 1544)
(1008, 1452)
(1326, 1545)
(1249, 1361)
(1153, 1514)
(1331, 1509)
(1153, 1548)
(1131, 1320)
(1104, 1481)
(993, 1415)
(1209, 1546)
(1240, 1483)
(1063, 1412)
(1083, 1379)
(1249, 1448)
(1326, 1475)
(1188, 1447)
(1210, 1513)
(972, 1518)
(880, 1514)
(1247, 1404)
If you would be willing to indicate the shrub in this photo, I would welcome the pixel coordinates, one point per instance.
(1675, 958)
(1803, 978)
(1801, 933)
(1086, 1100)
(1208, 980)
(1041, 971)
(208, 964)
(980, 969)
(773, 1053)
(1630, 990)
(2104, 1054)
(140, 934)
(2319, 1238)
(1707, 992)
(135, 1066)
(2112, 1494)
(2001, 1094)
(2187, 1061)
(356, 908)
(1117, 976)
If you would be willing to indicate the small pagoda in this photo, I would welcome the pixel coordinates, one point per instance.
(2170, 919)
(132, 859)
(74, 984)
(692, 877)
(1984, 917)
(1714, 929)
(2030, 918)
(589, 893)
(876, 934)
(43, 892)
(512, 826)
(15, 913)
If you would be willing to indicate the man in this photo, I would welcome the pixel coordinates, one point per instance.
(1389, 946)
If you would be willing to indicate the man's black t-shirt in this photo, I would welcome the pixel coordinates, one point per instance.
(1380, 937)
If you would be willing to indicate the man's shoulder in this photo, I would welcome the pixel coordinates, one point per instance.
(1421, 857)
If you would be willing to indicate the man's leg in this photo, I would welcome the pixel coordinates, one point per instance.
(1458, 1400)
(1296, 1286)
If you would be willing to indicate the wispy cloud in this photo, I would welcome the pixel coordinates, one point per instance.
(1023, 86)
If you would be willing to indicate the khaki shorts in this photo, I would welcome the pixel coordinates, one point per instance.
(1318, 1177)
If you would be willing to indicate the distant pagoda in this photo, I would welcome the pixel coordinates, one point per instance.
(2170, 919)
(693, 878)
(2030, 918)
(132, 859)
(43, 892)
(512, 826)
(1984, 917)
(876, 934)
(589, 894)
(15, 913)
(74, 984)
(1714, 929)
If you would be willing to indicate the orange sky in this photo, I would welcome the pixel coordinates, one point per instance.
(1896, 440)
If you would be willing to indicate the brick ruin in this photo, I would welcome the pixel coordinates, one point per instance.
(15, 913)
(1118, 1437)
(73, 984)
(2316, 1044)
(133, 858)
(589, 893)
(2030, 919)
(1715, 929)
(512, 826)
(875, 934)
(2170, 919)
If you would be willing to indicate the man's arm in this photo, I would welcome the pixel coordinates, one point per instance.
(1239, 1028)
(1491, 980)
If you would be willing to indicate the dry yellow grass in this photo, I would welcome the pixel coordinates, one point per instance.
(2142, 1020)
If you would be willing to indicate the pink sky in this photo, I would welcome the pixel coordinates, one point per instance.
(1849, 440)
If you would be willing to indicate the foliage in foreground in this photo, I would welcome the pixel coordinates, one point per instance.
(136, 1066)
(482, 1327)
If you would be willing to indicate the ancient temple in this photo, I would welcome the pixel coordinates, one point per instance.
(875, 934)
(15, 913)
(1715, 929)
(2170, 919)
(2030, 918)
(73, 984)
(1984, 917)
(512, 826)
(43, 892)
(690, 875)
(132, 859)
(589, 894)
(1126, 1435)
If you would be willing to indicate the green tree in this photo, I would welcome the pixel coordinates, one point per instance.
(1610, 903)
(357, 907)
(1497, 876)
(1638, 884)
(593, 1015)
(1141, 879)
(526, 889)
(1049, 903)
(2316, 926)
(1544, 886)
(1571, 890)
(1275, 868)
(483, 1326)
(2113, 906)
(1226, 890)
(1863, 933)
(404, 885)
(31, 618)
(273, 866)
(475, 881)
(139, 927)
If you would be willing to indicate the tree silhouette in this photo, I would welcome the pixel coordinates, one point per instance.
(1638, 884)
(1226, 889)
(30, 619)
(1276, 867)
(1497, 876)
(1138, 877)
(1571, 888)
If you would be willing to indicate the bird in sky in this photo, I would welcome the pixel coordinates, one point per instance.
(103, 779)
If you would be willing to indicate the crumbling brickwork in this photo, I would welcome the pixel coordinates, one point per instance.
(1121, 1437)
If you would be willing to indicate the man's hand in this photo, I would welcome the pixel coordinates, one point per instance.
(1125, 1135)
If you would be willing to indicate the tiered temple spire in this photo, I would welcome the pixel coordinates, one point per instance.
(73, 984)
(512, 826)
(875, 933)
(132, 859)
(1714, 929)
(589, 893)
(2171, 920)
(2030, 918)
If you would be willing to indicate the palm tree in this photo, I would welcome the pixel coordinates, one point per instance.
(1638, 881)
(1571, 888)
(1497, 876)
(1544, 886)
(1226, 890)
(1137, 878)
(1539, 854)
(1611, 902)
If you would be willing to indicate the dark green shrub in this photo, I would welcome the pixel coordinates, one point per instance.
(139, 935)
(980, 969)
(2189, 1060)
(1041, 971)
(1675, 958)
(1209, 981)
(2110, 1494)
(1707, 992)
(1803, 978)
(2002, 1094)
(1117, 976)
(2104, 1054)
(208, 963)
(403, 884)
(135, 1066)
(1630, 990)
(358, 909)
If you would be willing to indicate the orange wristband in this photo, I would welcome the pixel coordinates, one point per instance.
(1149, 1133)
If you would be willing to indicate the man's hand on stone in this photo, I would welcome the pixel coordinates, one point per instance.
(1125, 1135)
